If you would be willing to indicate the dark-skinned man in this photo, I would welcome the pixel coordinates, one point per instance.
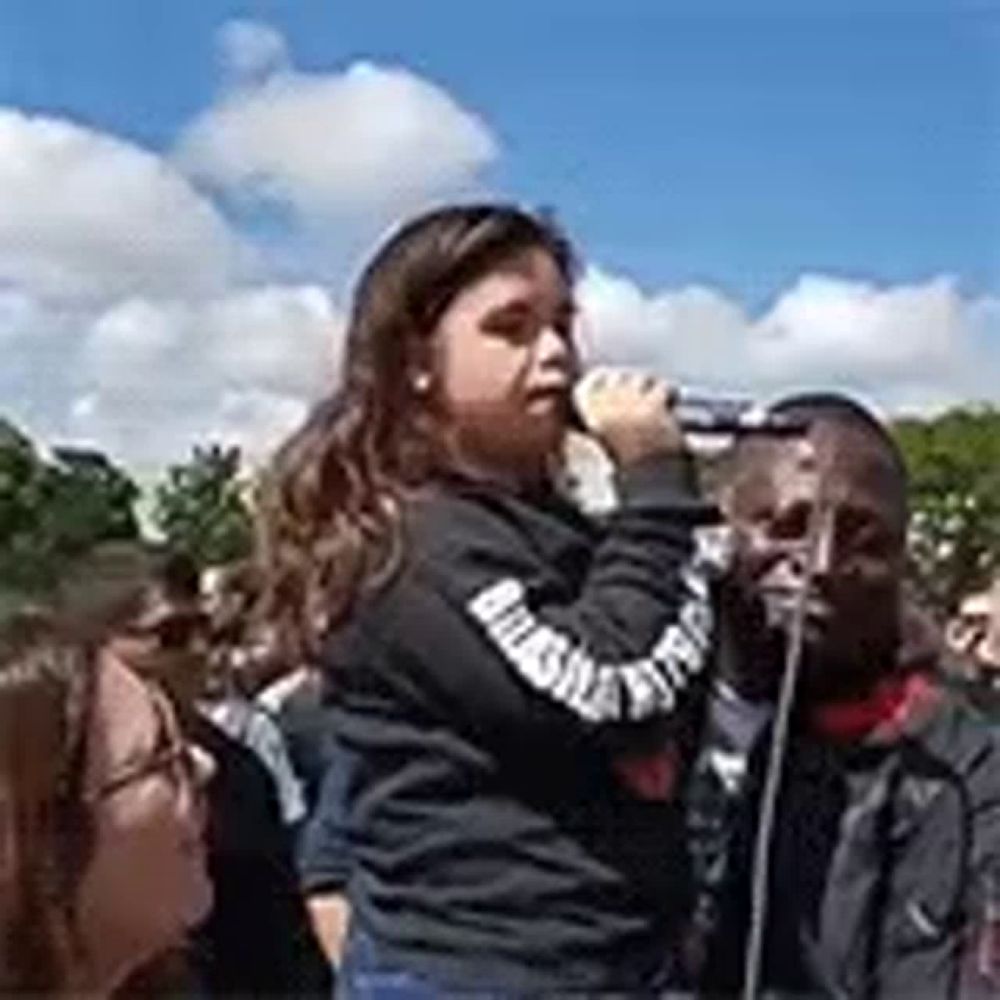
(886, 847)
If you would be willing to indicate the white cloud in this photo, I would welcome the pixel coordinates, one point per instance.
(240, 367)
(250, 50)
(284, 339)
(133, 340)
(36, 338)
(691, 333)
(86, 215)
(903, 347)
(150, 435)
(274, 337)
(256, 419)
(146, 378)
(20, 315)
(367, 139)
(829, 328)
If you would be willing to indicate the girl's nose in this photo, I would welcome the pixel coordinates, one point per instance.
(555, 356)
(552, 347)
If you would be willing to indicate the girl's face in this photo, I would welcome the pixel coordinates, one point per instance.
(146, 881)
(503, 365)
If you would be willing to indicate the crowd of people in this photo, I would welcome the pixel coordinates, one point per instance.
(454, 731)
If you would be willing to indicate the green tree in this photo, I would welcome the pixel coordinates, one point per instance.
(19, 469)
(954, 462)
(200, 508)
(23, 568)
(54, 508)
(86, 499)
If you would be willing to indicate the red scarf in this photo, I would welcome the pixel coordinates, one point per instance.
(887, 708)
(650, 776)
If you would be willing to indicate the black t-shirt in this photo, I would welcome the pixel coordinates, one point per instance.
(487, 696)
(257, 940)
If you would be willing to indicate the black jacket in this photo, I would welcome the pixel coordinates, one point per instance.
(486, 695)
(885, 868)
(257, 941)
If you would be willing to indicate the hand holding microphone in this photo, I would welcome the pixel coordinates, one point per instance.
(630, 413)
(604, 395)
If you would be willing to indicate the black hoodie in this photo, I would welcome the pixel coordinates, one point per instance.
(489, 695)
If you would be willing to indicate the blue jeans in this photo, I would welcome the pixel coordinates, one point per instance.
(364, 975)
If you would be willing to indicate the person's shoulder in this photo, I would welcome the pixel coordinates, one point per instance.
(963, 738)
(453, 534)
(444, 519)
(457, 540)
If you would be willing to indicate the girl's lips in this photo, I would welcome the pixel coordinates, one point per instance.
(548, 396)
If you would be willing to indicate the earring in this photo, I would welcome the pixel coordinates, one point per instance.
(421, 382)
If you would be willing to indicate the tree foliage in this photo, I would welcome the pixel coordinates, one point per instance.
(53, 508)
(200, 508)
(954, 463)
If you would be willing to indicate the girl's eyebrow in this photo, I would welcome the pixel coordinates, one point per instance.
(567, 308)
(516, 303)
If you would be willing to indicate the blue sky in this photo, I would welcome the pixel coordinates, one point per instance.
(727, 142)
(740, 147)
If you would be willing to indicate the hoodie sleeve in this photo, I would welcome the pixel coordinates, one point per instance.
(496, 629)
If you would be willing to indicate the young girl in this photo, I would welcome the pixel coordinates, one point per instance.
(509, 678)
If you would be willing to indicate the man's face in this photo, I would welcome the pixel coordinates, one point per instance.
(822, 519)
(974, 631)
(166, 641)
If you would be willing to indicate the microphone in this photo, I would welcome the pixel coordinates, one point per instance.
(729, 415)
(722, 416)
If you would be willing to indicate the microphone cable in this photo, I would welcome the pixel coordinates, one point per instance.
(760, 890)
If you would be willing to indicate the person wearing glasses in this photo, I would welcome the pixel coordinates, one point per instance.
(102, 816)
(257, 939)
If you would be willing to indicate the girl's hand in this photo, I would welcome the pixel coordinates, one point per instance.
(631, 413)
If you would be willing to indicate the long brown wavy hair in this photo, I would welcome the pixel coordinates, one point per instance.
(46, 697)
(329, 506)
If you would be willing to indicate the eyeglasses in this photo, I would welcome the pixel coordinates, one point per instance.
(171, 754)
(171, 629)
